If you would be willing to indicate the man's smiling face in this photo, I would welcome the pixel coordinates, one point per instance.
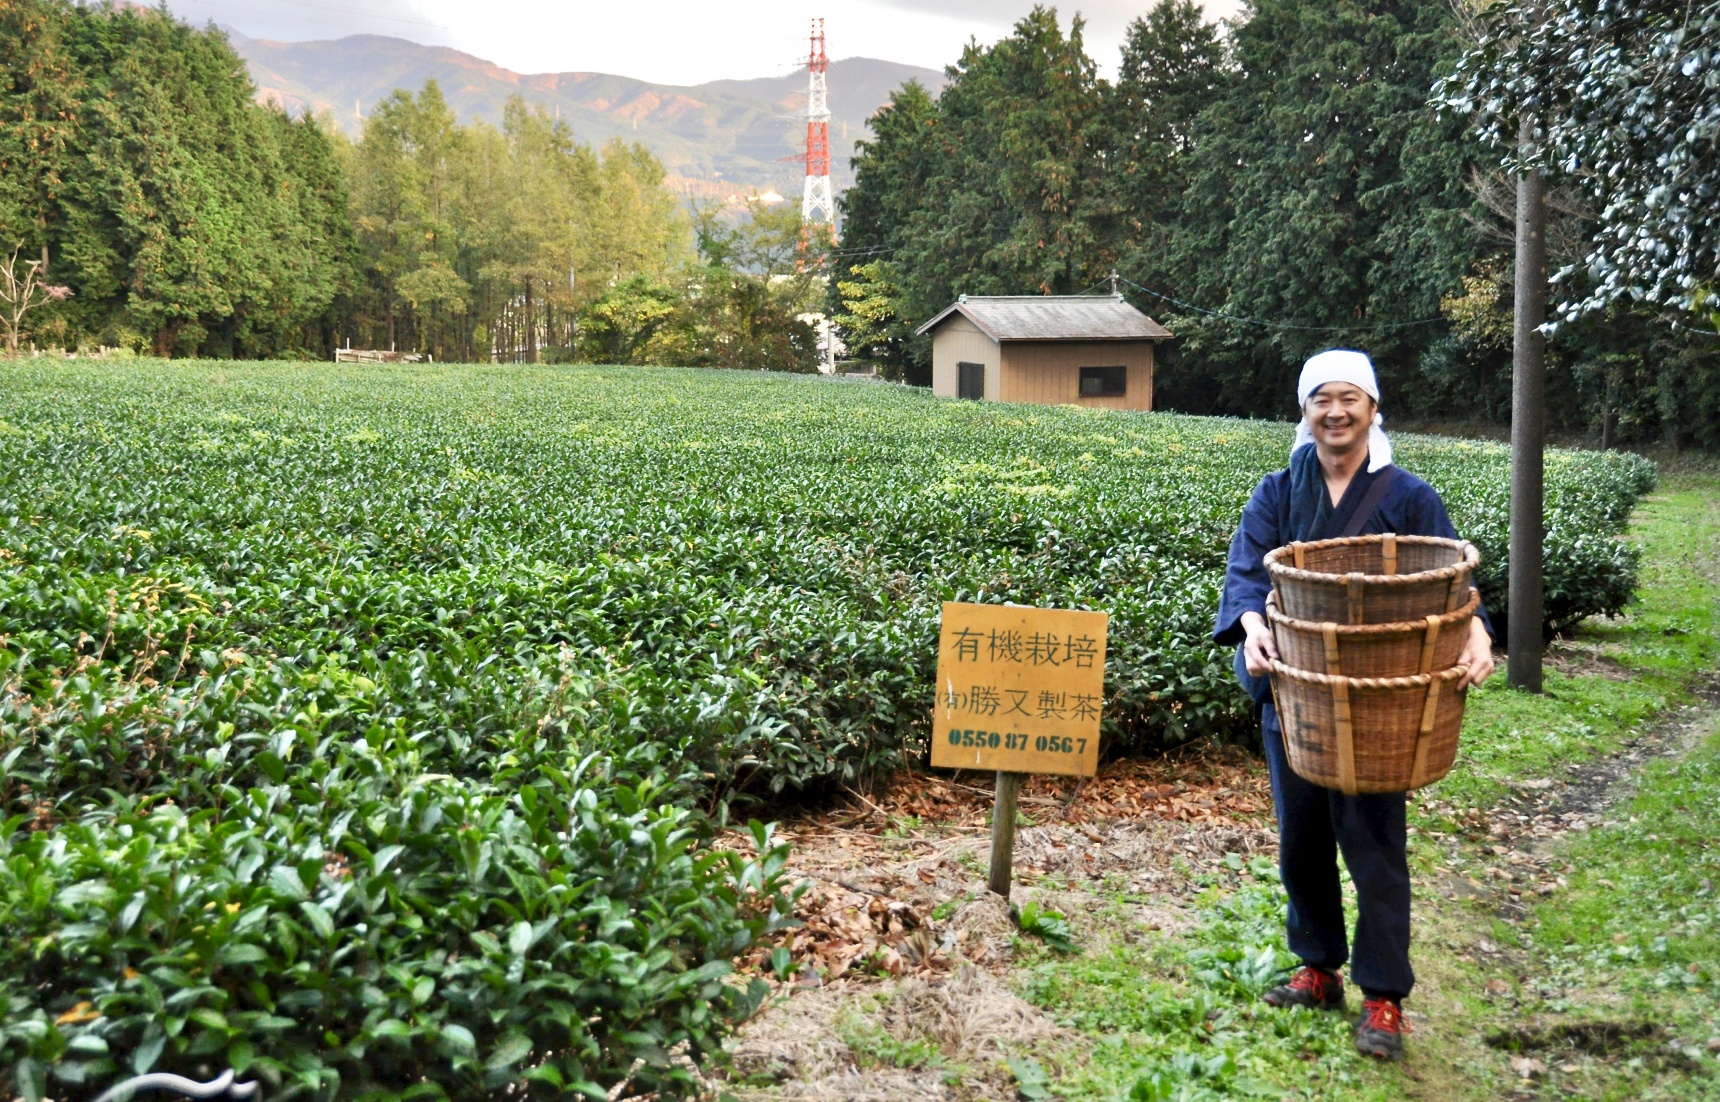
(1339, 415)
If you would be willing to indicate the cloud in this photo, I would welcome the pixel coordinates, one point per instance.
(302, 20)
(1107, 21)
(671, 41)
(1095, 12)
(989, 11)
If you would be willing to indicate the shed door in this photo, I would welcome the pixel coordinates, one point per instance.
(970, 381)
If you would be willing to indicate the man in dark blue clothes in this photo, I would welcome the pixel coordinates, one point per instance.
(1340, 452)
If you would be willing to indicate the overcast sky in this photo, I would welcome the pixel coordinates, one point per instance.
(669, 41)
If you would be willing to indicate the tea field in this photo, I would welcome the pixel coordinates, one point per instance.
(364, 729)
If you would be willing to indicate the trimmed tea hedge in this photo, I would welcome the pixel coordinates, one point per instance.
(352, 721)
(331, 893)
(757, 561)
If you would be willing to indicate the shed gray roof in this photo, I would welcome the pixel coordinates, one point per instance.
(1053, 318)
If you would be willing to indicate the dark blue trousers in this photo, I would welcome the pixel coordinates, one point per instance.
(1314, 825)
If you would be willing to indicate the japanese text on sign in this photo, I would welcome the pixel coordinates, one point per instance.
(1019, 689)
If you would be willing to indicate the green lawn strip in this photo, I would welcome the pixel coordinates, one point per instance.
(1180, 1018)
(1635, 942)
(1609, 985)
(1650, 659)
(1559, 962)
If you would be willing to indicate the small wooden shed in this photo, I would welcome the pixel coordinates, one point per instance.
(1051, 349)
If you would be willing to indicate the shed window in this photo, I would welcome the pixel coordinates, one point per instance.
(970, 381)
(1104, 382)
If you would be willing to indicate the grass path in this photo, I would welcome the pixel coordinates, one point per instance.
(1566, 911)
(1606, 987)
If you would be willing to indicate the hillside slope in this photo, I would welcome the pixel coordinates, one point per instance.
(734, 131)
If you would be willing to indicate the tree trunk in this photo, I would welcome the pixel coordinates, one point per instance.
(1607, 409)
(1528, 430)
(531, 327)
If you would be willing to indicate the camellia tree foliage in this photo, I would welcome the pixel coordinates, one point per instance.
(1625, 96)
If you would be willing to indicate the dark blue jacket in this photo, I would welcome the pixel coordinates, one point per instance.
(1410, 508)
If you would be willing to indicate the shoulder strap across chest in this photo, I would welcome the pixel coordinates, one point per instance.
(1370, 503)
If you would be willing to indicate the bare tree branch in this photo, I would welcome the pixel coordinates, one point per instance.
(20, 295)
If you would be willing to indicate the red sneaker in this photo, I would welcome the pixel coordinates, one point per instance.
(1312, 987)
(1380, 1031)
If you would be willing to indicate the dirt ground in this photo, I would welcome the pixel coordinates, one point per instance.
(901, 944)
(901, 941)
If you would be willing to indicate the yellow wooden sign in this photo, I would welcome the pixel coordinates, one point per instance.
(1019, 689)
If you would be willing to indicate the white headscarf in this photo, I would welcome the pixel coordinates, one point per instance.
(1343, 365)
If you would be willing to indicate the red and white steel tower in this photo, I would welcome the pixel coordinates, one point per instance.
(816, 198)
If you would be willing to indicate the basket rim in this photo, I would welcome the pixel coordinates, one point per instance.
(1406, 627)
(1277, 569)
(1410, 681)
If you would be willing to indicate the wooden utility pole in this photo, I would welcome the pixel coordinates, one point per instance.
(1528, 428)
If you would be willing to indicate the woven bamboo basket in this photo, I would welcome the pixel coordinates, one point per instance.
(1372, 579)
(1372, 650)
(1369, 734)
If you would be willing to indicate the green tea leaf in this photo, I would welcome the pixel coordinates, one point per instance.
(284, 879)
(241, 953)
(459, 1039)
(319, 918)
(510, 1050)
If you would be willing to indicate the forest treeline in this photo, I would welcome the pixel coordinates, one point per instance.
(183, 218)
(1265, 192)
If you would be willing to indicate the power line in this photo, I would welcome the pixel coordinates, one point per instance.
(860, 252)
(1220, 315)
(1278, 324)
(1682, 328)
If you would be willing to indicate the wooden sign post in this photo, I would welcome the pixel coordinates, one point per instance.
(1019, 691)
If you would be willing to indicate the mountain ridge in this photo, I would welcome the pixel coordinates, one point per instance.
(713, 138)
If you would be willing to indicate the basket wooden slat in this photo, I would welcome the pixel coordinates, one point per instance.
(1369, 734)
(1372, 579)
(1372, 650)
